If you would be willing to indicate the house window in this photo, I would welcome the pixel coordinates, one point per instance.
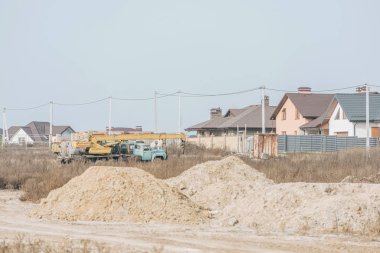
(21, 140)
(337, 116)
(284, 114)
(375, 132)
(297, 114)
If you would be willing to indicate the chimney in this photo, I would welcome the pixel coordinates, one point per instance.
(215, 113)
(304, 90)
(266, 100)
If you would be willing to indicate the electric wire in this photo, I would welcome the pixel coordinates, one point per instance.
(220, 94)
(188, 94)
(27, 108)
(80, 104)
(316, 91)
(147, 98)
(184, 94)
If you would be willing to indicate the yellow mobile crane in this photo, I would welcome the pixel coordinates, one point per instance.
(104, 146)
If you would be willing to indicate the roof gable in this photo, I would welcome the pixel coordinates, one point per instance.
(60, 129)
(12, 130)
(38, 131)
(311, 105)
(250, 116)
(39, 128)
(26, 130)
(354, 105)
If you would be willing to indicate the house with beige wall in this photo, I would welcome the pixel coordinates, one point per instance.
(247, 119)
(300, 113)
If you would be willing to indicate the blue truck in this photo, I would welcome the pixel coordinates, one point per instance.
(145, 152)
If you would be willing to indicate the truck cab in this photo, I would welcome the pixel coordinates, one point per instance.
(146, 153)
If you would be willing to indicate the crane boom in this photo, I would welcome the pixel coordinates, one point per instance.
(144, 136)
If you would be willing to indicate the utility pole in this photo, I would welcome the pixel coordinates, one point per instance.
(179, 112)
(109, 114)
(155, 111)
(263, 109)
(4, 129)
(51, 124)
(367, 116)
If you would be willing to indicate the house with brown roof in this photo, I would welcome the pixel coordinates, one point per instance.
(37, 132)
(236, 119)
(302, 113)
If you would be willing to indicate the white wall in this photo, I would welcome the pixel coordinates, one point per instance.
(361, 130)
(20, 134)
(344, 125)
(340, 125)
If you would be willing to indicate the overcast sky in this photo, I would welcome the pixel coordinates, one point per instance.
(77, 51)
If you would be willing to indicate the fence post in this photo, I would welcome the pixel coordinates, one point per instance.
(212, 141)
(245, 139)
(237, 136)
(225, 141)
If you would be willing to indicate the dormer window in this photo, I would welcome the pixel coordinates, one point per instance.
(297, 114)
(283, 112)
(337, 116)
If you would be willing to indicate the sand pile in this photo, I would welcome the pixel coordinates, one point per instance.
(215, 184)
(239, 195)
(374, 179)
(307, 207)
(119, 194)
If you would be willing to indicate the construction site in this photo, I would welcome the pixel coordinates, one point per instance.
(176, 126)
(191, 199)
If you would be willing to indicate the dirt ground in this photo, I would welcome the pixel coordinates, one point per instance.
(128, 237)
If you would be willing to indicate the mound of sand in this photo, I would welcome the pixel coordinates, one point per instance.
(215, 184)
(239, 195)
(373, 179)
(308, 207)
(119, 194)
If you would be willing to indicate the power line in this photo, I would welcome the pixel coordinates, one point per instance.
(147, 98)
(316, 91)
(220, 94)
(182, 94)
(27, 108)
(80, 104)
(188, 94)
(338, 89)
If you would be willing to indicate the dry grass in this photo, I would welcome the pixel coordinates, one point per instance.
(22, 245)
(325, 168)
(37, 172)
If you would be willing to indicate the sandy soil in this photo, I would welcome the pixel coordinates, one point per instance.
(174, 238)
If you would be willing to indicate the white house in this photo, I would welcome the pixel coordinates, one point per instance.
(38, 132)
(22, 136)
(347, 115)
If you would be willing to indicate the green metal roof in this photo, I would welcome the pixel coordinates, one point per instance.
(354, 105)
